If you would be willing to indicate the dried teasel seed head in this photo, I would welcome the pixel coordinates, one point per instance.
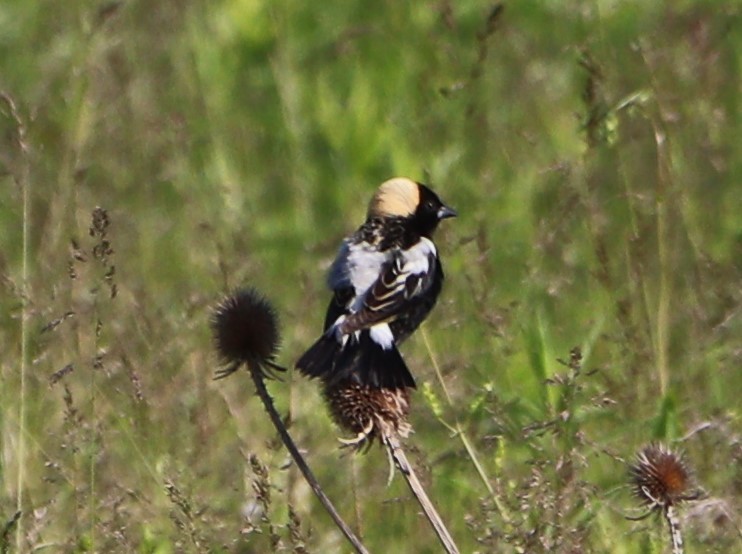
(661, 477)
(369, 412)
(245, 328)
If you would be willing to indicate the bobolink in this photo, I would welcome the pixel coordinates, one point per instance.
(386, 278)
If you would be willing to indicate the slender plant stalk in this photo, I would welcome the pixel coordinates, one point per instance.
(23, 181)
(265, 397)
(24, 365)
(461, 434)
(664, 294)
(24, 355)
(664, 183)
(676, 537)
(94, 437)
(404, 466)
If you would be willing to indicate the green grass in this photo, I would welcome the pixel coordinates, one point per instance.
(591, 150)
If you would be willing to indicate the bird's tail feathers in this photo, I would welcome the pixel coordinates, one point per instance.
(361, 360)
(319, 360)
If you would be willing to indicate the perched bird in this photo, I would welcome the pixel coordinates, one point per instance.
(386, 278)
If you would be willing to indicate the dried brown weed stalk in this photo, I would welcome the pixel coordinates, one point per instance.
(246, 333)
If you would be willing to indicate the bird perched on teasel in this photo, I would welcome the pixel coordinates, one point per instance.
(385, 280)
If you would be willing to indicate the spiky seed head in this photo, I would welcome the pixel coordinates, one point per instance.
(245, 328)
(369, 411)
(398, 197)
(660, 476)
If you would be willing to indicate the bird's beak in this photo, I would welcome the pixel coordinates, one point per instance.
(445, 212)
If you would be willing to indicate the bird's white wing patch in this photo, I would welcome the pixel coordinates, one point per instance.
(382, 335)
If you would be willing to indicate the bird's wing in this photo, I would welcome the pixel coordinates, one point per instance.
(338, 305)
(405, 276)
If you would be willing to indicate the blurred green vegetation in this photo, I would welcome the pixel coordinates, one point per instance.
(592, 150)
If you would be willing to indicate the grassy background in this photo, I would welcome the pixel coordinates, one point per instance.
(592, 150)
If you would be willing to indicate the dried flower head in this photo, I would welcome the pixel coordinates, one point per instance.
(369, 412)
(245, 330)
(661, 477)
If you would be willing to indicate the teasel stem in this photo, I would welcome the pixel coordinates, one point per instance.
(400, 460)
(676, 537)
(257, 375)
(246, 332)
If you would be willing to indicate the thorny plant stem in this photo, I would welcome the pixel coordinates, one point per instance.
(459, 432)
(676, 537)
(24, 182)
(400, 459)
(265, 397)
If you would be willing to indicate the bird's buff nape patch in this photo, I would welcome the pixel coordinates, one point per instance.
(398, 197)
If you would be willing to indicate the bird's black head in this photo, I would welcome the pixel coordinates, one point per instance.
(430, 211)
